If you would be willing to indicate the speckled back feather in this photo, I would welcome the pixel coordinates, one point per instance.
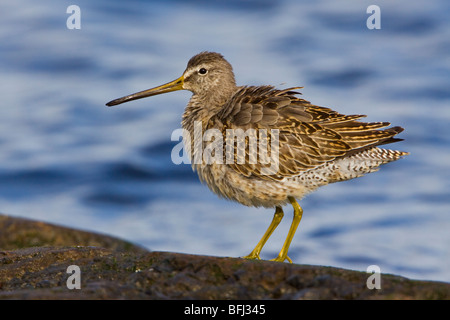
(309, 135)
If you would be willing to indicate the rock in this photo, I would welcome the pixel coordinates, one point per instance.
(17, 233)
(115, 269)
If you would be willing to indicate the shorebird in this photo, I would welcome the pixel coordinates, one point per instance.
(316, 145)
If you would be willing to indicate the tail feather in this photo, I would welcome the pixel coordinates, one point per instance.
(366, 161)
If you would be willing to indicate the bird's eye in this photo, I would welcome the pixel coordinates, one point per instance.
(202, 71)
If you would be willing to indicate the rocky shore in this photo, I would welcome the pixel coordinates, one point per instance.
(35, 256)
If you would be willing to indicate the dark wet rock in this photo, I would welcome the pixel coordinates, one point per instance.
(17, 233)
(34, 257)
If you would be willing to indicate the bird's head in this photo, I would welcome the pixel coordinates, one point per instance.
(207, 73)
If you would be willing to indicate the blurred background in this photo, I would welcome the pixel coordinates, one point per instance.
(66, 158)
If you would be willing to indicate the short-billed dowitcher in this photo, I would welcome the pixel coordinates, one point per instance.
(316, 145)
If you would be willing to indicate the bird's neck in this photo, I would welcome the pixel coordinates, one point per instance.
(203, 107)
(197, 116)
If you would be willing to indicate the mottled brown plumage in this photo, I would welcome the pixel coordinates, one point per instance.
(316, 145)
(309, 135)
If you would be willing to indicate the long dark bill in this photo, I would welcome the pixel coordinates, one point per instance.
(168, 87)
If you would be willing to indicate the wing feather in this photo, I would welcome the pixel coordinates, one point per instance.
(308, 135)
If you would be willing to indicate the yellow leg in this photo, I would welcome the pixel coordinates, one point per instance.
(278, 215)
(298, 212)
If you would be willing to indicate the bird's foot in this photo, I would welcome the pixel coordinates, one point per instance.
(252, 256)
(282, 258)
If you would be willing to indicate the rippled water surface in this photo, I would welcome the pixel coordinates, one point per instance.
(66, 158)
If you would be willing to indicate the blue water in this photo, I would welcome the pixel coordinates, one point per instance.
(68, 159)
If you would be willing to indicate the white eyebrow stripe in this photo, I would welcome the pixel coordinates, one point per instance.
(191, 70)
